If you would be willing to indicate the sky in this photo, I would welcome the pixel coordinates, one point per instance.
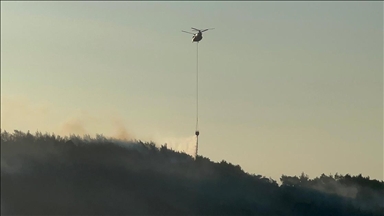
(284, 87)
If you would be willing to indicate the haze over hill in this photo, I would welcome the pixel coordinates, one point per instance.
(46, 174)
(284, 87)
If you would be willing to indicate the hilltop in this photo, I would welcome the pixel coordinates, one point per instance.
(46, 174)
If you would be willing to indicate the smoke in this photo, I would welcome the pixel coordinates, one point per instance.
(351, 191)
(180, 144)
(21, 113)
(23, 106)
(18, 111)
(7, 168)
(84, 124)
(73, 126)
(121, 130)
(337, 188)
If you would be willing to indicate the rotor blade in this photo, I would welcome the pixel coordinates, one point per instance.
(195, 29)
(188, 32)
(207, 29)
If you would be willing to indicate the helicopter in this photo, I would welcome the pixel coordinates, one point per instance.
(199, 35)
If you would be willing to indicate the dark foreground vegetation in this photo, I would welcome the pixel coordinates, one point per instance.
(51, 175)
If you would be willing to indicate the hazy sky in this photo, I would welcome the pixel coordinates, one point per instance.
(284, 88)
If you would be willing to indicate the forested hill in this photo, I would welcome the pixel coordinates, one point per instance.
(43, 174)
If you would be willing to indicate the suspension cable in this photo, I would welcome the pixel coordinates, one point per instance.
(197, 86)
(197, 100)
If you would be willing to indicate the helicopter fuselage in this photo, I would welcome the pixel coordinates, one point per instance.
(197, 37)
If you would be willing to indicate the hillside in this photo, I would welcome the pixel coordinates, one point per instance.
(44, 174)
